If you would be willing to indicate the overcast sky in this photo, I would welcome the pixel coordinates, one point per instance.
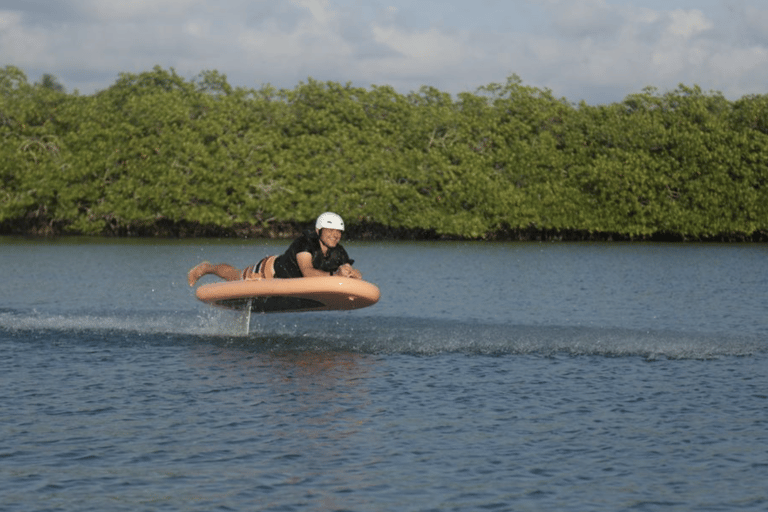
(594, 50)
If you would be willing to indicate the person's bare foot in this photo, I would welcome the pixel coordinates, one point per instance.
(198, 271)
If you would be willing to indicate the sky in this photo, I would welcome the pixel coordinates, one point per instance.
(598, 51)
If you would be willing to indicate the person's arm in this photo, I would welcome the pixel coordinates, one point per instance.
(304, 259)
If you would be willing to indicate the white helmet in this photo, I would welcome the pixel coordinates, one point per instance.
(329, 220)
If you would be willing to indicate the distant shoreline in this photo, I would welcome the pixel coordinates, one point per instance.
(364, 232)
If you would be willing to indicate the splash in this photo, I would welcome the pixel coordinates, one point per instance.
(212, 322)
(387, 335)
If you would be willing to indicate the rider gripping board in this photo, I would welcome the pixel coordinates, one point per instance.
(291, 295)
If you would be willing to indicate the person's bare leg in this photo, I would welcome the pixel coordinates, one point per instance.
(222, 270)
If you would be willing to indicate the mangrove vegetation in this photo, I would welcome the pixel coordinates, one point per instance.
(158, 154)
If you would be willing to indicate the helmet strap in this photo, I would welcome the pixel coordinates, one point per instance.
(323, 247)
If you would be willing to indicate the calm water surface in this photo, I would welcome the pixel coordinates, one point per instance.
(497, 376)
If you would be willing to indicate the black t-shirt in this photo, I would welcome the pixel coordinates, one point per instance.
(286, 265)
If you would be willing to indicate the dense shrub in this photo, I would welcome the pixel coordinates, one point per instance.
(158, 154)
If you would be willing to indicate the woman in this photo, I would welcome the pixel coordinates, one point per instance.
(315, 253)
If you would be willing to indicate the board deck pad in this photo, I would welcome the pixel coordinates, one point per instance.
(291, 295)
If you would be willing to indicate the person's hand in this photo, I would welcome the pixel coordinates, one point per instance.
(348, 270)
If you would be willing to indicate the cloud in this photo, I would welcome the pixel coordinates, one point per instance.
(40, 12)
(585, 19)
(595, 50)
(756, 25)
(686, 24)
(18, 42)
(134, 10)
(621, 47)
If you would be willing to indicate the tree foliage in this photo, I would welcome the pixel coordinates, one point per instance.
(157, 153)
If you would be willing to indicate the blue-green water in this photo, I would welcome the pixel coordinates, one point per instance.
(497, 376)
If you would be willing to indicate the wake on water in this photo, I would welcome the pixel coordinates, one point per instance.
(332, 331)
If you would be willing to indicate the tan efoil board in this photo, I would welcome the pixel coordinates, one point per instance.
(290, 295)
